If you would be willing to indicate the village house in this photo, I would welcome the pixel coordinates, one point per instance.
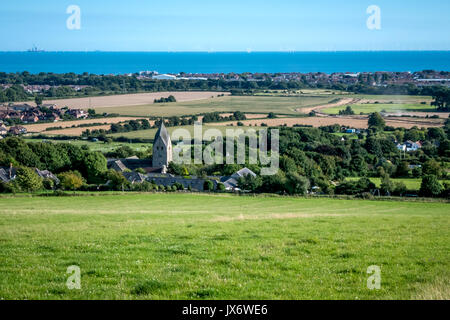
(409, 146)
(77, 113)
(3, 130)
(31, 117)
(8, 174)
(231, 182)
(17, 130)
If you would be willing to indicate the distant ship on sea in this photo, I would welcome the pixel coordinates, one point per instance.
(35, 49)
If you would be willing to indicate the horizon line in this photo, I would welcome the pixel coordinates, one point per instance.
(219, 51)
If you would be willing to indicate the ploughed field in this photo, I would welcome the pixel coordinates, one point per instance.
(198, 246)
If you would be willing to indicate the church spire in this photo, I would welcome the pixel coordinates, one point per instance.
(162, 147)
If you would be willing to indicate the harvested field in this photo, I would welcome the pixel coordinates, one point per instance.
(40, 127)
(77, 131)
(130, 99)
(227, 104)
(359, 122)
(442, 115)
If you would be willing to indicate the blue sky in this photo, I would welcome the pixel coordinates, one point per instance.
(213, 25)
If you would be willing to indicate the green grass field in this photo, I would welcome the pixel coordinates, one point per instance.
(186, 246)
(255, 104)
(150, 133)
(394, 108)
(100, 146)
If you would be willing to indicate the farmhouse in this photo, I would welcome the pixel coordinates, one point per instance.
(17, 130)
(9, 174)
(231, 182)
(409, 146)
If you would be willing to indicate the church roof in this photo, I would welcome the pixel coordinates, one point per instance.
(162, 132)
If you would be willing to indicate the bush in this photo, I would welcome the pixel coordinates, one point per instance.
(143, 187)
(355, 187)
(71, 180)
(10, 187)
(116, 180)
(48, 184)
(208, 185)
(400, 188)
(417, 172)
(178, 186)
(221, 187)
(347, 112)
(387, 186)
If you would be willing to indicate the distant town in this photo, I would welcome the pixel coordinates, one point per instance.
(64, 85)
(15, 114)
(426, 77)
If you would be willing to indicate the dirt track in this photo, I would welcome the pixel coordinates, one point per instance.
(342, 102)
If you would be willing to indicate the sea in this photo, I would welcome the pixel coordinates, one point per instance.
(97, 62)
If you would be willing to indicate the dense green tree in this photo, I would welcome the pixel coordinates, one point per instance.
(274, 183)
(387, 186)
(376, 122)
(116, 180)
(373, 146)
(249, 183)
(432, 167)
(414, 134)
(94, 165)
(38, 99)
(436, 134)
(431, 187)
(403, 170)
(296, 184)
(28, 180)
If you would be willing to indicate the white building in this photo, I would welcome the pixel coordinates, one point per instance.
(164, 77)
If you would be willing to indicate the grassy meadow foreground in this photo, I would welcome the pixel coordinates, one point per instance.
(187, 246)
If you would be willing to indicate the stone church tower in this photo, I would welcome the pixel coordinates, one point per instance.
(162, 148)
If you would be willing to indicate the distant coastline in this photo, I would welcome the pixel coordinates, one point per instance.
(103, 62)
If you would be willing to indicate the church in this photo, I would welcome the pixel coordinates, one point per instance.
(155, 170)
(162, 149)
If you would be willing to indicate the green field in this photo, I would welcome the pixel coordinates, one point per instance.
(186, 246)
(100, 146)
(260, 104)
(394, 108)
(150, 133)
(411, 184)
